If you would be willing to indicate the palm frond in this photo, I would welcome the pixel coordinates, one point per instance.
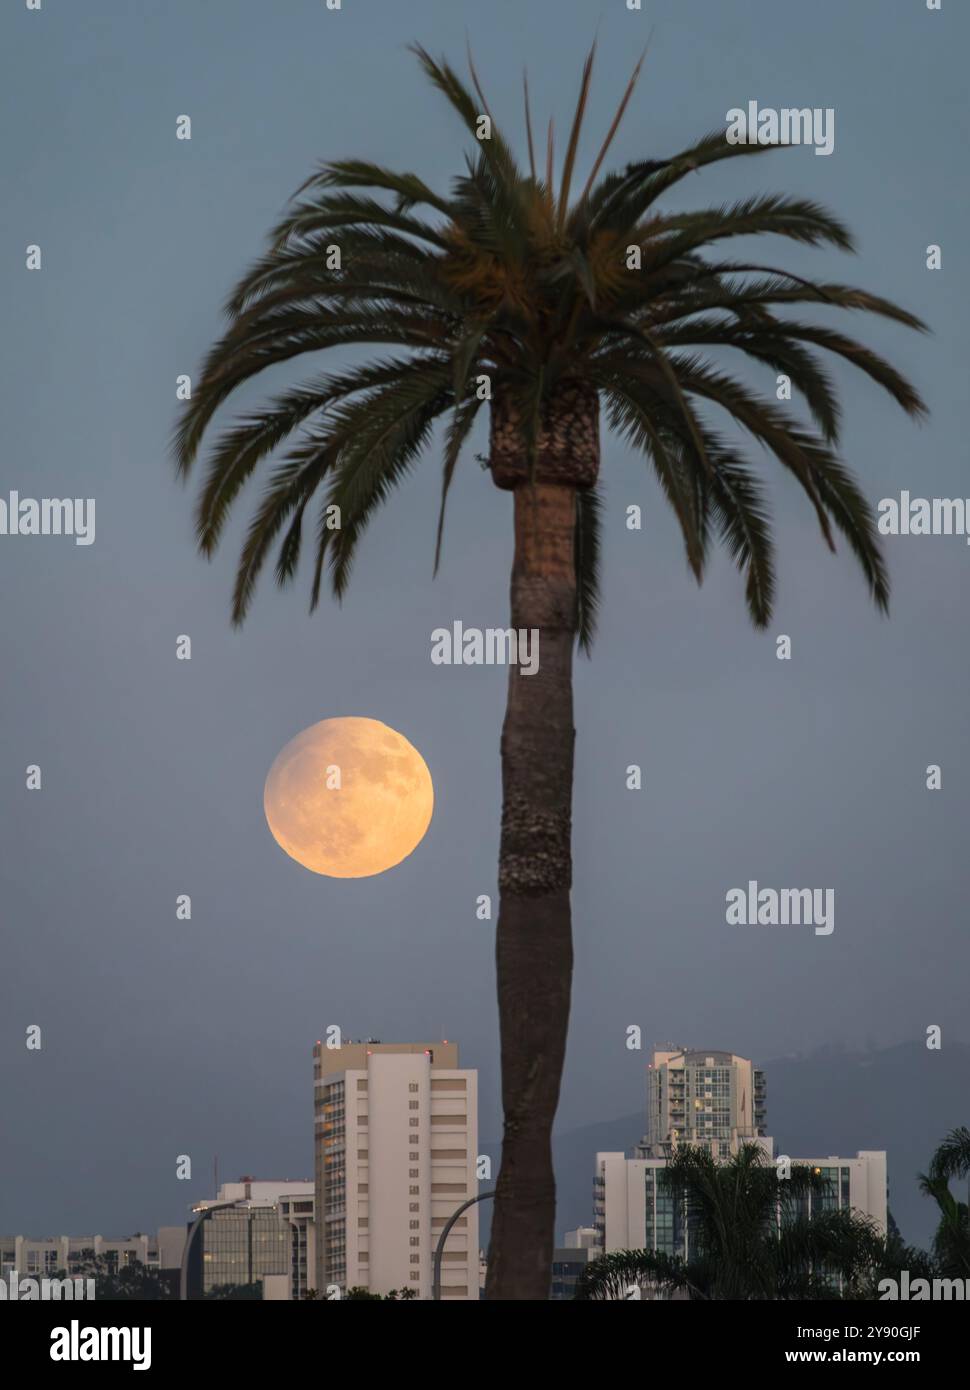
(614, 127)
(628, 199)
(241, 449)
(459, 427)
(952, 1158)
(388, 431)
(361, 173)
(528, 126)
(573, 143)
(589, 507)
(632, 411)
(496, 151)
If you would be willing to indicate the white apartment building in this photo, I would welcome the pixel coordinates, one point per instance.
(634, 1212)
(715, 1100)
(395, 1145)
(583, 1238)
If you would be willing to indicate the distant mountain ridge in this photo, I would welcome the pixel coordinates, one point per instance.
(902, 1099)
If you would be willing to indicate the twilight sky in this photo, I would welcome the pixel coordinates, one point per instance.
(165, 1037)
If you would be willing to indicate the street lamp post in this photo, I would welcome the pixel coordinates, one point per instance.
(440, 1247)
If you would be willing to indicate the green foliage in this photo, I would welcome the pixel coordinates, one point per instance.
(951, 1244)
(133, 1282)
(235, 1292)
(508, 277)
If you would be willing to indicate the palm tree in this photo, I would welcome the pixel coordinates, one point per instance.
(896, 1258)
(550, 305)
(749, 1236)
(951, 1244)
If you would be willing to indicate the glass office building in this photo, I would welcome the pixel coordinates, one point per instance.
(239, 1245)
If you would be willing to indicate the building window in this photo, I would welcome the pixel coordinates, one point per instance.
(414, 1191)
(413, 1086)
(413, 1104)
(414, 1157)
(415, 1259)
(414, 1225)
(414, 1122)
(415, 1275)
(414, 1206)
(414, 1240)
(414, 1172)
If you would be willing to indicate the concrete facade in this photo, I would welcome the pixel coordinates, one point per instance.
(396, 1136)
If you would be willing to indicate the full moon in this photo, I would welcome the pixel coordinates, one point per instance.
(348, 798)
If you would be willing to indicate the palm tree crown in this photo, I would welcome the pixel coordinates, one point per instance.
(561, 303)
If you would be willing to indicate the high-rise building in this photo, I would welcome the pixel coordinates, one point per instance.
(711, 1099)
(396, 1138)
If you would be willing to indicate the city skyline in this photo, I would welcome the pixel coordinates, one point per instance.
(722, 1090)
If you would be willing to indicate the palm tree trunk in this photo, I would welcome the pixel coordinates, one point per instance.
(534, 954)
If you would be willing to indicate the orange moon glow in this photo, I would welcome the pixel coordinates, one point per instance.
(348, 798)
